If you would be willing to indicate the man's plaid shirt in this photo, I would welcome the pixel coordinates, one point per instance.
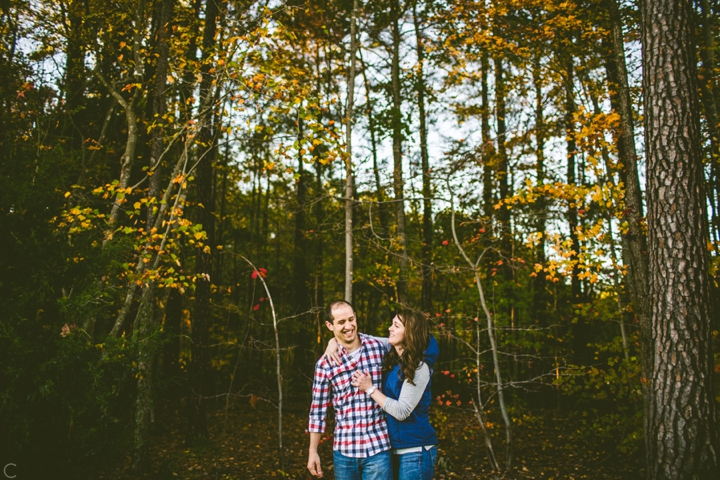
(360, 427)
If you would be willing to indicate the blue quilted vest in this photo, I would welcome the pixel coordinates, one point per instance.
(414, 431)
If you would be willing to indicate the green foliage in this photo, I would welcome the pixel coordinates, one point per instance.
(607, 395)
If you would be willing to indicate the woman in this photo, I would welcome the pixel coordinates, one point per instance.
(405, 395)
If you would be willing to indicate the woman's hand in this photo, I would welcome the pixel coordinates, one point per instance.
(362, 380)
(332, 352)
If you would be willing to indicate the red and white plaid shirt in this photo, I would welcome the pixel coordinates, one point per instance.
(360, 427)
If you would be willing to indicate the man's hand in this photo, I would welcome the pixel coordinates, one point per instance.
(313, 457)
(314, 464)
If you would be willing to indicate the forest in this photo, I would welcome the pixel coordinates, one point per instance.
(186, 184)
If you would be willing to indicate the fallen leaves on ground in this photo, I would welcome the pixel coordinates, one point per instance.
(243, 445)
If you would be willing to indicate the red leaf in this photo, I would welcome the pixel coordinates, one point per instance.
(263, 272)
(254, 274)
(445, 242)
(256, 307)
(262, 299)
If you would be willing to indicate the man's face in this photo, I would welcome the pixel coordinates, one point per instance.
(344, 325)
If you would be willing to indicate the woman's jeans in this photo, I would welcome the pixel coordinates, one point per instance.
(415, 465)
(377, 467)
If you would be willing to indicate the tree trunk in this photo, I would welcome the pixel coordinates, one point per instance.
(372, 127)
(349, 186)
(427, 270)
(488, 149)
(146, 312)
(128, 157)
(75, 75)
(634, 241)
(572, 215)
(540, 206)
(300, 272)
(171, 334)
(397, 138)
(200, 365)
(681, 430)
(159, 108)
(501, 171)
(144, 405)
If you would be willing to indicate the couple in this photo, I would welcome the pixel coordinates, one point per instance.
(369, 378)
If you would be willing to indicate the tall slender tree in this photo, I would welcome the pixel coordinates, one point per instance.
(397, 140)
(202, 318)
(349, 182)
(426, 259)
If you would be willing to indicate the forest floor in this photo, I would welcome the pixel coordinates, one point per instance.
(243, 445)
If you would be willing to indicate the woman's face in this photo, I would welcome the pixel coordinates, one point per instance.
(397, 332)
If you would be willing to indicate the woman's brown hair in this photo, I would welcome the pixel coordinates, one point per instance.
(414, 344)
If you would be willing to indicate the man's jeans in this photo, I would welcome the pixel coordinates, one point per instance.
(377, 467)
(415, 465)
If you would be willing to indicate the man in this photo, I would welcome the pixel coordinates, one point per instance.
(361, 448)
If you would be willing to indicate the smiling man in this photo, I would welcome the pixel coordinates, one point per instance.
(361, 448)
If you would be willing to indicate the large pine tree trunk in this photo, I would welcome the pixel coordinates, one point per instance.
(681, 430)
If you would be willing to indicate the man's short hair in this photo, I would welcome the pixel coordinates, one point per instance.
(333, 304)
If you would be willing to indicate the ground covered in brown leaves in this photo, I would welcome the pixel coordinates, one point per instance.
(244, 445)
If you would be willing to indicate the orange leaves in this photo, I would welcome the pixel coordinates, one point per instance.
(130, 86)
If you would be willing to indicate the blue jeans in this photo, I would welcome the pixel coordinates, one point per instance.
(377, 467)
(415, 465)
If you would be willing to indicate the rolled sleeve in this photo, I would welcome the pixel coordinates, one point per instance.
(320, 399)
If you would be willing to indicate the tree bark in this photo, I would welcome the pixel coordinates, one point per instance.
(349, 184)
(540, 206)
(75, 76)
(397, 138)
(681, 430)
(572, 215)
(372, 127)
(502, 160)
(145, 321)
(488, 149)
(300, 271)
(427, 270)
(200, 364)
(633, 240)
(159, 107)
